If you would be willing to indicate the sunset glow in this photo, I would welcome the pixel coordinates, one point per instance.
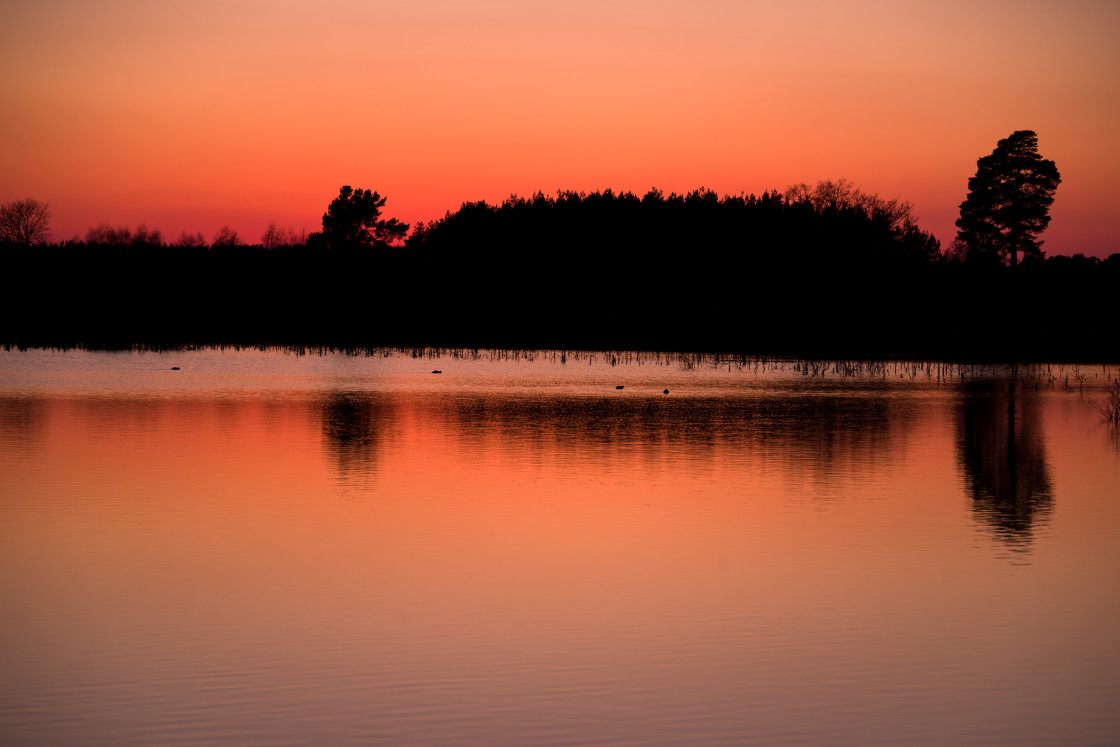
(190, 116)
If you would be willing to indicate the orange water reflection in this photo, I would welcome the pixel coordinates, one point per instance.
(417, 566)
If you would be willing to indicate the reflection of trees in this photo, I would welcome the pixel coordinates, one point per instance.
(822, 435)
(352, 425)
(1003, 460)
(832, 436)
(20, 421)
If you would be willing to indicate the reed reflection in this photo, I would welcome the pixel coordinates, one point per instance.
(1001, 449)
(353, 426)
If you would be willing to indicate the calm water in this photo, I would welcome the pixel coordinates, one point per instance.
(278, 549)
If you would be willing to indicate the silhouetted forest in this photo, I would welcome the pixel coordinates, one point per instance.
(824, 271)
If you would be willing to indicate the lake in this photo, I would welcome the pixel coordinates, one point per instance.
(264, 547)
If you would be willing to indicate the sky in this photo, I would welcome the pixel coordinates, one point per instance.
(187, 116)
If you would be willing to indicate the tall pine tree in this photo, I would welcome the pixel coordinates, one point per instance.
(354, 219)
(1008, 203)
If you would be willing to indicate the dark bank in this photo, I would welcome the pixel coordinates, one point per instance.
(822, 271)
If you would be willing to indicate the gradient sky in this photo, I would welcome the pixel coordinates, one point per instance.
(191, 115)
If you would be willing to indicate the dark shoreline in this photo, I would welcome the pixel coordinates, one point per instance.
(757, 277)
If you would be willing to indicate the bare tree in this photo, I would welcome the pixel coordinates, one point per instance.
(226, 236)
(105, 233)
(25, 222)
(191, 240)
(273, 237)
(145, 235)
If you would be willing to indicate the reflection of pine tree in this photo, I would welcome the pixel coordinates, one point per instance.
(352, 425)
(1003, 459)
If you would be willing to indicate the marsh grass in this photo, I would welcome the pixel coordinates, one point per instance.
(1109, 407)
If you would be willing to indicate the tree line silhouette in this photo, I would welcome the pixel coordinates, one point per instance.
(822, 270)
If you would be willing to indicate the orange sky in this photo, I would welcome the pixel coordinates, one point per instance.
(191, 115)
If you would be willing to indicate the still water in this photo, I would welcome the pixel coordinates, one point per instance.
(270, 548)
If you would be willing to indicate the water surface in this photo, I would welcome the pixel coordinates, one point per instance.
(270, 548)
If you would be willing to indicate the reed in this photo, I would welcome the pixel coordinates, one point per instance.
(1109, 407)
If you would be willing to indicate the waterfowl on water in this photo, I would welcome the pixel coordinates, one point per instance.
(620, 387)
